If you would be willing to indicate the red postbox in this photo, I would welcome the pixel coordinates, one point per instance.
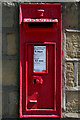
(40, 35)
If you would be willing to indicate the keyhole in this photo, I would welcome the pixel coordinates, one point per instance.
(34, 81)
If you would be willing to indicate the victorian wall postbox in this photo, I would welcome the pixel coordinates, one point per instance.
(40, 60)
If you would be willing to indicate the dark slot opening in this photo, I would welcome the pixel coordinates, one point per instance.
(34, 81)
(40, 25)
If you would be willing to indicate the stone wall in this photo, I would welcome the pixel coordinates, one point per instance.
(10, 60)
(71, 59)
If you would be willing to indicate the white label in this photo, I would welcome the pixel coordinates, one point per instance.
(39, 58)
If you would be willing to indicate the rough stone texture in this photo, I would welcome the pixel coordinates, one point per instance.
(0, 102)
(13, 103)
(71, 115)
(3, 102)
(71, 14)
(9, 15)
(73, 101)
(0, 71)
(0, 43)
(0, 15)
(11, 44)
(69, 74)
(79, 73)
(73, 45)
(9, 72)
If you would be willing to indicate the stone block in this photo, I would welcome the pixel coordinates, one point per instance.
(0, 102)
(9, 14)
(9, 72)
(0, 15)
(69, 74)
(11, 44)
(13, 103)
(72, 115)
(0, 44)
(3, 102)
(73, 101)
(73, 44)
(71, 14)
(0, 71)
(79, 73)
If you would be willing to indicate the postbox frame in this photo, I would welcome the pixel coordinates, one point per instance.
(56, 114)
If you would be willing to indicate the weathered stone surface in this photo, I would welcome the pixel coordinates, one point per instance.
(69, 74)
(9, 72)
(0, 102)
(3, 102)
(71, 14)
(13, 103)
(11, 44)
(73, 101)
(79, 73)
(0, 71)
(0, 15)
(72, 45)
(0, 43)
(9, 14)
(71, 115)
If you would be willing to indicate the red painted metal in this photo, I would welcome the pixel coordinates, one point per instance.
(40, 91)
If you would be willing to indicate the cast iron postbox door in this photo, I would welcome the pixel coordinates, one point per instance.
(40, 35)
(41, 70)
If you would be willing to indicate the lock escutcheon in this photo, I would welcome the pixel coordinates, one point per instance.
(37, 80)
